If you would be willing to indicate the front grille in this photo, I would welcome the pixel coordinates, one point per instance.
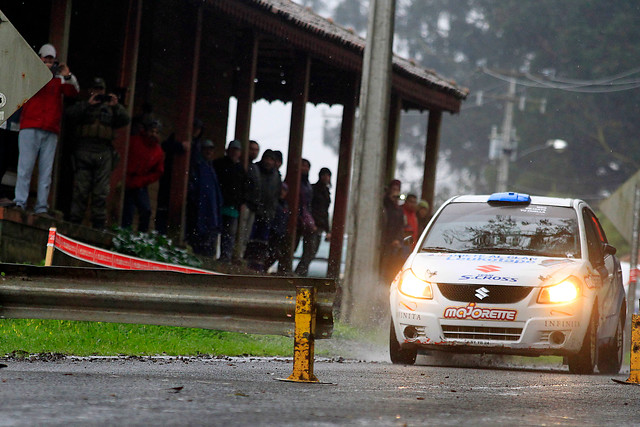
(481, 333)
(495, 294)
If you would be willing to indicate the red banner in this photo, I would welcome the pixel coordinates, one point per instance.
(105, 258)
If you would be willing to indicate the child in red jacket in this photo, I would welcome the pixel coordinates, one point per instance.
(145, 166)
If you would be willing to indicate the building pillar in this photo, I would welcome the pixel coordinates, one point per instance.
(431, 157)
(185, 113)
(248, 63)
(59, 27)
(127, 81)
(343, 181)
(302, 71)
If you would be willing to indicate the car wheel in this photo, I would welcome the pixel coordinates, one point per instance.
(584, 361)
(399, 355)
(610, 355)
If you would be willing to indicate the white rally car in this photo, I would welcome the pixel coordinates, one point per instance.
(514, 274)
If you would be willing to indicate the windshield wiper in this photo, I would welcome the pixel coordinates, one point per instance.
(437, 249)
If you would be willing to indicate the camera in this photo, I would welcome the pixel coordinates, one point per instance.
(55, 68)
(102, 98)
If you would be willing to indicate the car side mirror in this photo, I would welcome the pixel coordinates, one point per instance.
(608, 249)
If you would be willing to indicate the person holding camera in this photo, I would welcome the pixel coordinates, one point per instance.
(94, 157)
(39, 129)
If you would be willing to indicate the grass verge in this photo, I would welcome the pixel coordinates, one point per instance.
(109, 339)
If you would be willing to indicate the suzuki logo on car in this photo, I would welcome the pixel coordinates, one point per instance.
(488, 268)
(482, 293)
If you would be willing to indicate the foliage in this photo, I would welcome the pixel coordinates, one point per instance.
(153, 246)
(572, 40)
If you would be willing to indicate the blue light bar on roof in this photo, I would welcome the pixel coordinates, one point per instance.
(510, 198)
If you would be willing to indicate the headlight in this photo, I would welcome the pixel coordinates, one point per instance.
(411, 286)
(565, 291)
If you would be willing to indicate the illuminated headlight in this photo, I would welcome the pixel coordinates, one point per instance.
(565, 291)
(411, 286)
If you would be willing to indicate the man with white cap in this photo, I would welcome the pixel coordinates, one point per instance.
(39, 129)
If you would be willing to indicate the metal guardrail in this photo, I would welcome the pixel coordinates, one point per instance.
(249, 304)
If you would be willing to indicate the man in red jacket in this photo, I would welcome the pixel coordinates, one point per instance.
(145, 165)
(39, 129)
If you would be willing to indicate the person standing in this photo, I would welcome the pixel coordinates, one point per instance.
(423, 215)
(232, 178)
(393, 225)
(39, 129)
(204, 201)
(258, 246)
(253, 194)
(145, 166)
(320, 201)
(409, 208)
(94, 156)
(278, 248)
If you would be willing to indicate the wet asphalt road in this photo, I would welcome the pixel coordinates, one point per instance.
(243, 391)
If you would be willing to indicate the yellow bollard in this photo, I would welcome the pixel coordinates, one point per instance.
(304, 336)
(634, 374)
(48, 259)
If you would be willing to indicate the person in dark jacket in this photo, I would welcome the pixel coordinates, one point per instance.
(204, 201)
(265, 211)
(392, 232)
(144, 166)
(278, 249)
(320, 201)
(94, 157)
(232, 178)
(252, 199)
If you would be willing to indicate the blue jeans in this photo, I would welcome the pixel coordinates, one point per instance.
(228, 237)
(34, 143)
(136, 198)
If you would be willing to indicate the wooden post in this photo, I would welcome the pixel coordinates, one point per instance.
(342, 182)
(302, 70)
(431, 157)
(248, 54)
(59, 27)
(127, 80)
(185, 106)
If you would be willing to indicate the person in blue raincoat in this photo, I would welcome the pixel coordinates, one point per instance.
(204, 201)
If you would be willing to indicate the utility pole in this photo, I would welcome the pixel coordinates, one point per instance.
(507, 125)
(362, 276)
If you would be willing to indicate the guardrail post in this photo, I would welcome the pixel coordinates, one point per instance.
(634, 374)
(634, 371)
(48, 259)
(304, 337)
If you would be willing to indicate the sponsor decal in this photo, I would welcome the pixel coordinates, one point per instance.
(411, 306)
(553, 262)
(472, 312)
(3, 100)
(490, 277)
(403, 315)
(482, 293)
(488, 268)
(536, 209)
(507, 259)
(562, 324)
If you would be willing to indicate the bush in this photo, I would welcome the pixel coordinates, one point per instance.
(153, 246)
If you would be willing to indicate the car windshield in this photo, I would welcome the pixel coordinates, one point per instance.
(534, 230)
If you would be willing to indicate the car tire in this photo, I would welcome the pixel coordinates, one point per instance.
(399, 355)
(584, 362)
(610, 355)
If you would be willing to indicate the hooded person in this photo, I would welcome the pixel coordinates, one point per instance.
(204, 200)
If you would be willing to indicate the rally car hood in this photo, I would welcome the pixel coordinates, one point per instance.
(511, 270)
